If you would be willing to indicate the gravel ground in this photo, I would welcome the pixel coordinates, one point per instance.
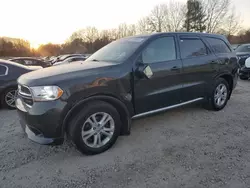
(185, 147)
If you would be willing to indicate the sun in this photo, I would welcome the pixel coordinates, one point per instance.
(34, 45)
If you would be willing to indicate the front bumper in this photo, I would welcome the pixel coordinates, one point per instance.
(244, 72)
(42, 122)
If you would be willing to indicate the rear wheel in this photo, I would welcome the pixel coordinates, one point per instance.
(9, 97)
(96, 128)
(219, 97)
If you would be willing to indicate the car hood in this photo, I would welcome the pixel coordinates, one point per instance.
(53, 75)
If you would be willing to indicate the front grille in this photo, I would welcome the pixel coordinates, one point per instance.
(242, 62)
(25, 94)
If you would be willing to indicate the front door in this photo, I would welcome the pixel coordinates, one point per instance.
(162, 89)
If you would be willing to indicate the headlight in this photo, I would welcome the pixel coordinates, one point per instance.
(46, 93)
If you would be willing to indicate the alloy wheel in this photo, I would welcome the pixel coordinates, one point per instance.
(10, 98)
(98, 129)
(220, 95)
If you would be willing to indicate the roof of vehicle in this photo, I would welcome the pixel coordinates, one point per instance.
(7, 62)
(76, 56)
(69, 55)
(245, 44)
(179, 33)
(31, 58)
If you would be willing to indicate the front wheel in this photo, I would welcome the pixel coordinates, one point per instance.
(96, 128)
(219, 97)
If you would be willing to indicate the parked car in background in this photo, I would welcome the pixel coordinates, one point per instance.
(9, 72)
(29, 61)
(244, 72)
(94, 102)
(70, 60)
(87, 55)
(235, 46)
(243, 52)
(64, 57)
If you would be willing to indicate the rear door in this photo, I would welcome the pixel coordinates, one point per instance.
(163, 88)
(197, 67)
(223, 52)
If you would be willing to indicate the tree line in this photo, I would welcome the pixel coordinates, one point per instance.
(211, 16)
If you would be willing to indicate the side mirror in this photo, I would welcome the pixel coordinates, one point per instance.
(247, 63)
(145, 71)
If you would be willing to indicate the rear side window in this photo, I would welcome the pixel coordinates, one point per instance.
(3, 70)
(160, 50)
(19, 61)
(29, 62)
(192, 47)
(78, 59)
(218, 45)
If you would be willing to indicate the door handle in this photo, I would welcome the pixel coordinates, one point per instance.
(175, 68)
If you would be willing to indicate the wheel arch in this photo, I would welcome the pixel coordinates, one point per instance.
(125, 114)
(5, 88)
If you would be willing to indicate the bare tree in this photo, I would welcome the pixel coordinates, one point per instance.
(90, 34)
(125, 30)
(142, 26)
(232, 22)
(216, 10)
(157, 19)
(163, 18)
(75, 35)
(131, 30)
(175, 15)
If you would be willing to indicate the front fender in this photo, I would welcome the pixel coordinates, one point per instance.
(126, 112)
(6, 85)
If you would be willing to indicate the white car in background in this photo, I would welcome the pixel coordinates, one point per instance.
(70, 60)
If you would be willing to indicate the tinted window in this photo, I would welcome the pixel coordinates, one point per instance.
(218, 45)
(72, 59)
(3, 70)
(192, 48)
(19, 61)
(79, 59)
(243, 48)
(160, 50)
(29, 62)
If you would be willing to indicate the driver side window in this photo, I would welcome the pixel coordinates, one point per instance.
(160, 50)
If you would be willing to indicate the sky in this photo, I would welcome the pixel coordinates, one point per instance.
(43, 21)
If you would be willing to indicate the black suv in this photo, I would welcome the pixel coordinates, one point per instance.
(94, 101)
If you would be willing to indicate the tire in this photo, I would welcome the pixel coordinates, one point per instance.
(6, 96)
(83, 122)
(243, 78)
(211, 102)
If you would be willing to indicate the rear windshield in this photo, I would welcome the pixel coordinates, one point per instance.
(117, 51)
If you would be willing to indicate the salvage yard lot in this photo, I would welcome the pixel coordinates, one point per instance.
(185, 147)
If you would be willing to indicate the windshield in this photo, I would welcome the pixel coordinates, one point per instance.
(117, 51)
(243, 48)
